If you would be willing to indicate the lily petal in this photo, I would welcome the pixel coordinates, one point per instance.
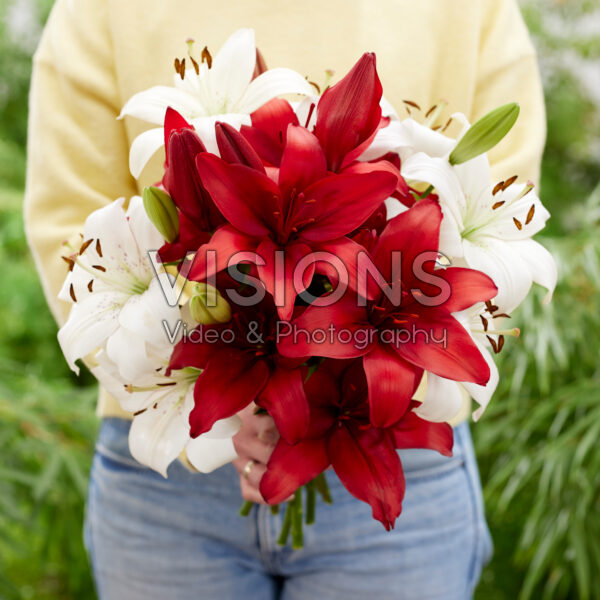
(151, 104)
(143, 149)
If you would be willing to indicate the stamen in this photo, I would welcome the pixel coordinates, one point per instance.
(518, 223)
(182, 69)
(447, 124)
(99, 267)
(400, 321)
(493, 343)
(497, 205)
(500, 343)
(484, 321)
(98, 248)
(408, 111)
(411, 103)
(90, 284)
(315, 85)
(509, 182)
(436, 128)
(69, 261)
(155, 405)
(497, 188)
(84, 246)
(139, 412)
(195, 65)
(430, 110)
(177, 65)
(206, 57)
(167, 384)
(72, 293)
(530, 214)
(311, 201)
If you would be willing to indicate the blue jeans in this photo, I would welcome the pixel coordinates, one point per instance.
(181, 538)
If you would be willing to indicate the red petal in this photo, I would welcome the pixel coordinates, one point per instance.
(192, 354)
(324, 323)
(231, 380)
(269, 129)
(278, 273)
(468, 287)
(369, 467)
(225, 243)
(391, 381)
(248, 199)
(348, 113)
(413, 232)
(292, 466)
(175, 122)
(284, 399)
(441, 345)
(235, 149)
(414, 432)
(303, 161)
(343, 202)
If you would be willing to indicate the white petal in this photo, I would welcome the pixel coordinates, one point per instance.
(158, 435)
(474, 177)
(232, 69)
(151, 104)
(146, 235)
(387, 110)
(207, 454)
(394, 207)
(224, 428)
(451, 242)
(143, 148)
(303, 109)
(205, 127)
(482, 394)
(505, 266)
(129, 353)
(270, 84)
(443, 400)
(90, 323)
(541, 264)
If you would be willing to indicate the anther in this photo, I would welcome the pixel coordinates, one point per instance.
(85, 245)
(530, 214)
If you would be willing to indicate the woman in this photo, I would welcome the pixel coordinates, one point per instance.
(181, 537)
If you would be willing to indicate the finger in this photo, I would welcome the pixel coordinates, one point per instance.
(250, 492)
(253, 448)
(267, 431)
(253, 473)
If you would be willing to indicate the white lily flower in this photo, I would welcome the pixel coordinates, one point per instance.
(489, 228)
(485, 227)
(444, 397)
(118, 323)
(203, 94)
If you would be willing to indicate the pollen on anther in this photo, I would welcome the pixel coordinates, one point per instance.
(530, 214)
(206, 57)
(509, 182)
(72, 293)
(430, 110)
(69, 261)
(497, 188)
(98, 248)
(99, 267)
(315, 85)
(411, 103)
(484, 322)
(139, 412)
(196, 65)
(447, 124)
(85, 245)
(90, 285)
(492, 341)
(500, 342)
(518, 223)
(497, 205)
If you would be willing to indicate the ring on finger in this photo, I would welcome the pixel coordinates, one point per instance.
(247, 468)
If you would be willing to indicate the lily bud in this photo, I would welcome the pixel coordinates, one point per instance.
(208, 307)
(235, 149)
(485, 133)
(162, 212)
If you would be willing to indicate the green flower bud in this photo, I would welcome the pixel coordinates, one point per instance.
(207, 306)
(485, 133)
(162, 212)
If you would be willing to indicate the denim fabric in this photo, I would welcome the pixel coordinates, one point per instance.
(181, 538)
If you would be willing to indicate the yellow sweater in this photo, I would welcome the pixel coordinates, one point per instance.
(95, 54)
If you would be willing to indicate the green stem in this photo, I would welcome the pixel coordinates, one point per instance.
(311, 499)
(297, 533)
(323, 488)
(274, 509)
(286, 525)
(246, 508)
(426, 192)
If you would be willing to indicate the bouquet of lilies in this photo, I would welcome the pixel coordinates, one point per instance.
(319, 257)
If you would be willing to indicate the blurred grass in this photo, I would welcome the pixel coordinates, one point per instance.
(536, 444)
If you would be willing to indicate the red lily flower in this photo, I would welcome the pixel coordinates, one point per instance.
(181, 179)
(394, 356)
(363, 456)
(241, 364)
(306, 209)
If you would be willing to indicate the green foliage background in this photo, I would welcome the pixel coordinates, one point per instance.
(537, 444)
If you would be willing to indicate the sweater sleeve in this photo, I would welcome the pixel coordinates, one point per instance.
(77, 150)
(507, 72)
